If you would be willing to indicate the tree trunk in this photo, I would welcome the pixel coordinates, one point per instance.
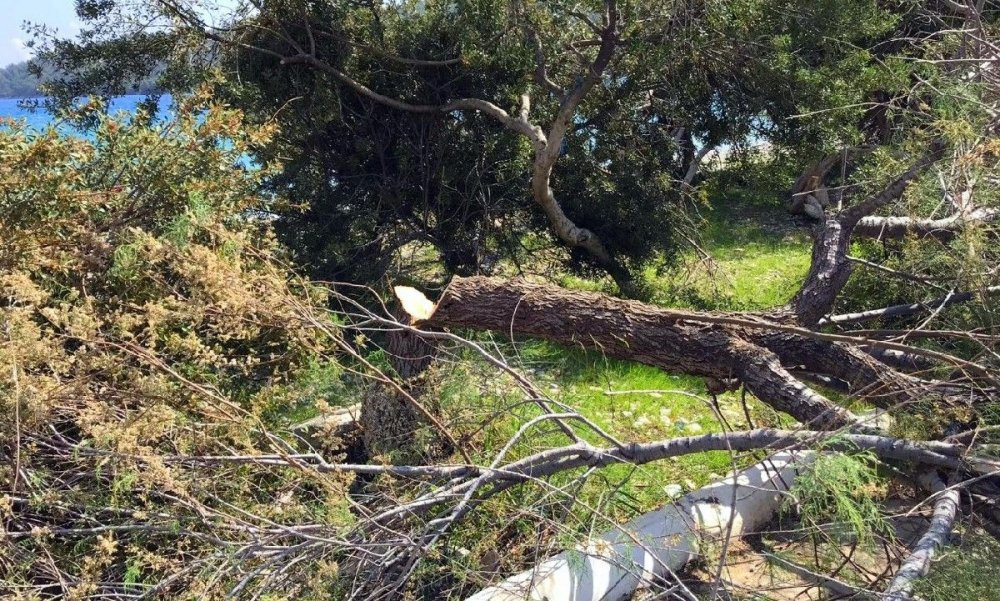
(388, 419)
(657, 544)
(758, 350)
(675, 341)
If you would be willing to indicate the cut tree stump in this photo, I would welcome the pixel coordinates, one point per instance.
(388, 418)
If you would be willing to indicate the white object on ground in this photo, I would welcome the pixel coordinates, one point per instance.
(613, 566)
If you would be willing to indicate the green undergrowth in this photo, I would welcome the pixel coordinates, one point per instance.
(842, 490)
(964, 570)
(758, 260)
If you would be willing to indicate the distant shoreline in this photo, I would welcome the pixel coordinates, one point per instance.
(113, 97)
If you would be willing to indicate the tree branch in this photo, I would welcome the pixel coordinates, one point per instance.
(918, 563)
(830, 269)
(909, 309)
(944, 229)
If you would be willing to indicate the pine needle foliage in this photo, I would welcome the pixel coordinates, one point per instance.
(839, 493)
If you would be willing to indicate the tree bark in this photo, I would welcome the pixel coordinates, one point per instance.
(829, 271)
(918, 563)
(830, 268)
(672, 340)
(754, 349)
(388, 419)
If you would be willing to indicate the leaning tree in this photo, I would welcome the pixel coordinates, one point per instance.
(484, 128)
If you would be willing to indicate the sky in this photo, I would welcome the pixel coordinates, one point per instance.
(60, 14)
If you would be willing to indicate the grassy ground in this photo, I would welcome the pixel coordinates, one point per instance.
(755, 260)
(758, 259)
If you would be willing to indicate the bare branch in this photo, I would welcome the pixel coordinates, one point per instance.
(919, 562)
(910, 309)
(944, 229)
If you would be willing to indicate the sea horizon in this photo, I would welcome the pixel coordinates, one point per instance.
(40, 118)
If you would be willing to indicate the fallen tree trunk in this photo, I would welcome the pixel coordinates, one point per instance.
(750, 348)
(944, 229)
(627, 330)
(656, 545)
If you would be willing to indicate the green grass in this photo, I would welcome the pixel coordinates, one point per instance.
(966, 570)
(761, 260)
(631, 402)
(758, 258)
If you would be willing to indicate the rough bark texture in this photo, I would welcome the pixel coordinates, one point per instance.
(635, 331)
(830, 268)
(828, 273)
(918, 563)
(752, 349)
(388, 419)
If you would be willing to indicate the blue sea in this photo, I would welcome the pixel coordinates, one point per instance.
(40, 118)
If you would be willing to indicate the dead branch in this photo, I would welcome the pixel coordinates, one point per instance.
(944, 229)
(918, 563)
(909, 309)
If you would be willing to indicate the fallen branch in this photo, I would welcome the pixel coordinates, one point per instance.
(943, 229)
(552, 461)
(909, 309)
(335, 421)
(918, 563)
(835, 586)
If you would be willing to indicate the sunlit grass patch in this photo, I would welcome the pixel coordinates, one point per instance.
(628, 401)
(966, 570)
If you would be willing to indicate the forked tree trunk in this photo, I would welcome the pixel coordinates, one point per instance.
(657, 544)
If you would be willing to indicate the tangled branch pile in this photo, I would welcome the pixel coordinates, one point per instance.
(147, 314)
